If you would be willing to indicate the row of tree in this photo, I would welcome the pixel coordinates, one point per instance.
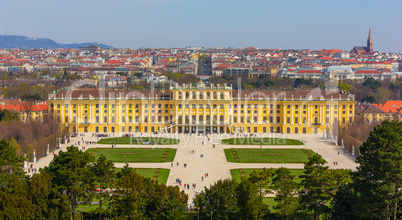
(28, 92)
(371, 192)
(73, 178)
(33, 135)
(313, 196)
(7, 116)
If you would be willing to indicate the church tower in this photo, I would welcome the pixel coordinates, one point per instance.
(369, 48)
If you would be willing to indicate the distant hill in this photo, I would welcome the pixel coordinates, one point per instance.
(22, 42)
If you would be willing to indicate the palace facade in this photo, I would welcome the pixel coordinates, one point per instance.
(201, 108)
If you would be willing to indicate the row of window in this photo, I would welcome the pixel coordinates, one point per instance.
(249, 106)
(201, 119)
(248, 129)
(201, 95)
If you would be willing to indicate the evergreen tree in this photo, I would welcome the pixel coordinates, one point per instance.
(261, 178)
(10, 163)
(103, 171)
(286, 193)
(130, 198)
(249, 201)
(166, 202)
(378, 181)
(70, 173)
(219, 201)
(315, 186)
(14, 200)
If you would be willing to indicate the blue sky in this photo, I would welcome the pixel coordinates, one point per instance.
(312, 24)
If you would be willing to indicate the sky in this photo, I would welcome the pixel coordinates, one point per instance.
(286, 24)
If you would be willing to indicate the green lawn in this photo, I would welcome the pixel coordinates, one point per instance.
(269, 201)
(236, 175)
(150, 172)
(134, 155)
(261, 141)
(140, 140)
(263, 155)
(91, 207)
(163, 176)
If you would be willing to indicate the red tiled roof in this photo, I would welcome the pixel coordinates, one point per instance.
(309, 71)
(390, 106)
(331, 51)
(367, 71)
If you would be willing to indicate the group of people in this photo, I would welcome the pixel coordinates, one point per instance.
(100, 135)
(205, 175)
(34, 170)
(188, 186)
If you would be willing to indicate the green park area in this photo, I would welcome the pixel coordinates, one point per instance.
(261, 155)
(136, 155)
(270, 202)
(261, 141)
(140, 141)
(144, 172)
(236, 173)
(150, 173)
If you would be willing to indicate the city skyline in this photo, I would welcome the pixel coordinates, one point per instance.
(262, 24)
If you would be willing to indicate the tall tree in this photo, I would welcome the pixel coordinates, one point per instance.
(219, 201)
(70, 172)
(103, 171)
(379, 177)
(286, 193)
(46, 202)
(166, 202)
(261, 178)
(130, 197)
(315, 186)
(249, 201)
(10, 163)
(14, 201)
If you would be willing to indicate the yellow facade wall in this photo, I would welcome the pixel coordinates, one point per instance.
(250, 116)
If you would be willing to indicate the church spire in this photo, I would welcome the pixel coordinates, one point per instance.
(369, 43)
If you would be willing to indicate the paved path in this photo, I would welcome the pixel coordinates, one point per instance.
(214, 161)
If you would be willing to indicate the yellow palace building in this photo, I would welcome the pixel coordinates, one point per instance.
(201, 108)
